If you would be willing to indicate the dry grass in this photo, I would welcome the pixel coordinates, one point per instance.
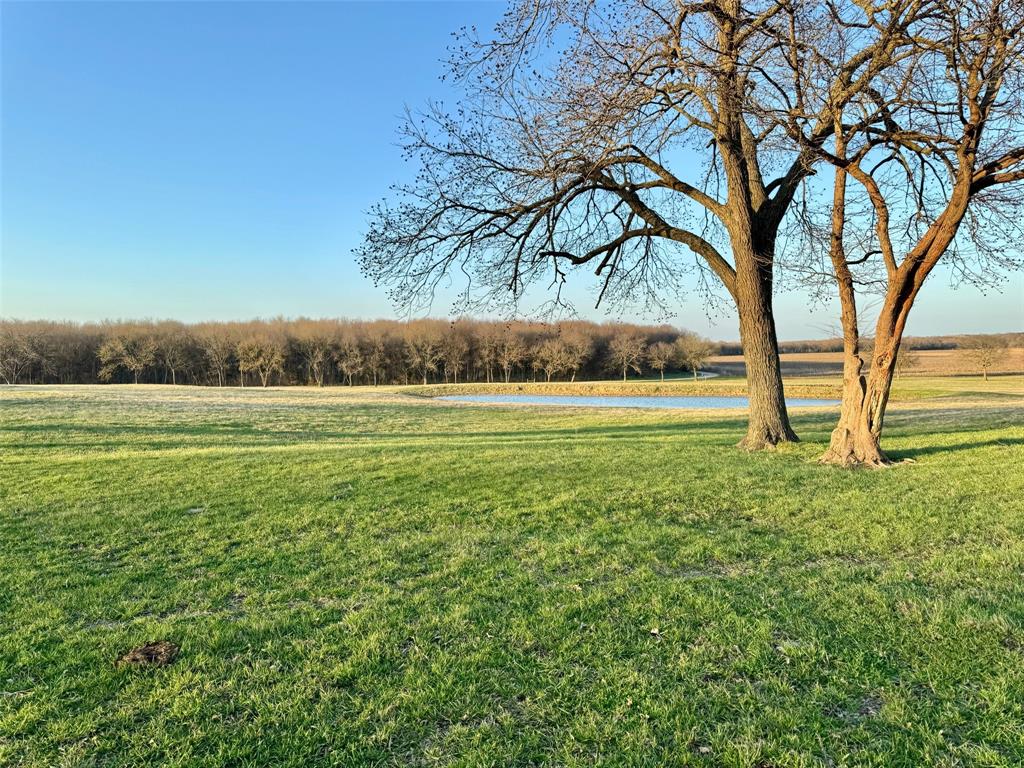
(930, 362)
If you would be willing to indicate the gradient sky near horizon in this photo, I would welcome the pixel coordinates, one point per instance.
(215, 160)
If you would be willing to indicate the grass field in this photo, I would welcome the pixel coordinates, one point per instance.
(360, 577)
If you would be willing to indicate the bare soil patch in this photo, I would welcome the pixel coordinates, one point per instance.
(156, 654)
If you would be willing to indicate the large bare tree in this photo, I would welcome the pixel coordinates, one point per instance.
(927, 170)
(629, 136)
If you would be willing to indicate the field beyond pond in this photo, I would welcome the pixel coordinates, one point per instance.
(362, 577)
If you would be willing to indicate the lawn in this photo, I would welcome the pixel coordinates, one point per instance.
(360, 577)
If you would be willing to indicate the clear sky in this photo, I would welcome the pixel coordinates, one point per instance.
(201, 160)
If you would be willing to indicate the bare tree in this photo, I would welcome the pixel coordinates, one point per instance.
(660, 356)
(906, 360)
(315, 345)
(349, 358)
(218, 349)
(923, 162)
(262, 354)
(551, 357)
(376, 354)
(511, 352)
(423, 351)
(627, 351)
(694, 351)
(985, 352)
(574, 162)
(18, 351)
(174, 348)
(578, 349)
(490, 341)
(454, 348)
(133, 349)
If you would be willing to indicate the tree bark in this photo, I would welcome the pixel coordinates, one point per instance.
(856, 440)
(769, 422)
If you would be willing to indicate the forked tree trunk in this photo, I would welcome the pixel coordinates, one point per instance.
(769, 421)
(856, 440)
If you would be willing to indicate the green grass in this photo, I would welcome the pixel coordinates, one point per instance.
(364, 578)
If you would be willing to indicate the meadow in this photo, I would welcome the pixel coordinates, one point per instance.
(367, 577)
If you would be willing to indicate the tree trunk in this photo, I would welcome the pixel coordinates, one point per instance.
(856, 440)
(769, 421)
(695, 372)
(663, 374)
(623, 373)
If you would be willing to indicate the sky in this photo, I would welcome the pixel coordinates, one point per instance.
(216, 161)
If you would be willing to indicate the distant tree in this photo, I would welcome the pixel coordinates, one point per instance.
(174, 348)
(694, 351)
(551, 357)
(423, 351)
(350, 359)
(487, 349)
(218, 349)
(262, 354)
(376, 354)
(510, 353)
(18, 352)
(627, 351)
(314, 344)
(660, 356)
(578, 349)
(134, 350)
(454, 348)
(906, 359)
(985, 352)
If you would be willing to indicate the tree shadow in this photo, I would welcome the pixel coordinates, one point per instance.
(929, 450)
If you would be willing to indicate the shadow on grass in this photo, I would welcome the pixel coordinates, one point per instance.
(928, 450)
(919, 424)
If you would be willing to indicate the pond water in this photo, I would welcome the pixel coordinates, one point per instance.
(691, 402)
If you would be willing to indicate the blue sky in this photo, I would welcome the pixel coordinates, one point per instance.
(203, 160)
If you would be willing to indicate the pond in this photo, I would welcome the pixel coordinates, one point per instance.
(691, 402)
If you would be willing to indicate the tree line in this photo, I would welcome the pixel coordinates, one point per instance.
(328, 352)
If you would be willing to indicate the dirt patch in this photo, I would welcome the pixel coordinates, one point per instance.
(155, 654)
